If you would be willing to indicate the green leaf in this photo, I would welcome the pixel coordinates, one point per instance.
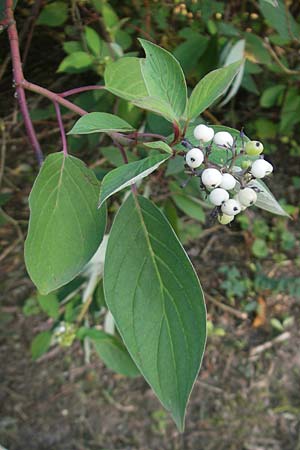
(164, 79)
(159, 145)
(113, 352)
(54, 14)
(211, 87)
(266, 200)
(100, 122)
(49, 304)
(189, 205)
(280, 19)
(155, 83)
(114, 157)
(236, 54)
(40, 344)
(65, 227)
(93, 41)
(76, 62)
(125, 175)
(124, 79)
(260, 248)
(189, 52)
(72, 47)
(156, 300)
(270, 95)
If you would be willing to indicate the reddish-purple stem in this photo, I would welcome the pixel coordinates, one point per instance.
(81, 89)
(53, 97)
(62, 130)
(146, 135)
(18, 78)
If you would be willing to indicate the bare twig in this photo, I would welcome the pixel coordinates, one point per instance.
(227, 308)
(256, 351)
(278, 61)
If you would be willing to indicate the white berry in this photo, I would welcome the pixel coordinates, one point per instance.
(211, 178)
(231, 207)
(218, 196)
(228, 181)
(225, 219)
(223, 138)
(247, 196)
(194, 158)
(243, 207)
(203, 133)
(260, 168)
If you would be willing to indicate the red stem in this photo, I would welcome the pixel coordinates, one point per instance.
(145, 135)
(18, 78)
(52, 96)
(62, 130)
(81, 89)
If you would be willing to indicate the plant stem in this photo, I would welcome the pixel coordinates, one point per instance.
(62, 130)
(81, 89)
(145, 135)
(18, 78)
(52, 96)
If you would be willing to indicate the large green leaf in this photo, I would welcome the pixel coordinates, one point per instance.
(164, 79)
(156, 300)
(100, 122)
(124, 79)
(125, 175)
(266, 200)
(211, 87)
(65, 227)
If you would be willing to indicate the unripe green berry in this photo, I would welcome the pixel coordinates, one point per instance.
(245, 164)
(254, 148)
(225, 219)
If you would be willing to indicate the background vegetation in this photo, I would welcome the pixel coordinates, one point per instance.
(247, 395)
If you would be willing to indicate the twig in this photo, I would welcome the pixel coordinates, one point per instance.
(62, 130)
(211, 117)
(78, 90)
(256, 351)
(3, 151)
(52, 96)
(18, 78)
(285, 69)
(227, 308)
(85, 309)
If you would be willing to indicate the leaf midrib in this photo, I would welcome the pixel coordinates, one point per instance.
(161, 285)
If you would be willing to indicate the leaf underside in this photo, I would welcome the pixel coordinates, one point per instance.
(156, 300)
(125, 175)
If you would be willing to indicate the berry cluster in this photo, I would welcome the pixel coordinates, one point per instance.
(228, 187)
